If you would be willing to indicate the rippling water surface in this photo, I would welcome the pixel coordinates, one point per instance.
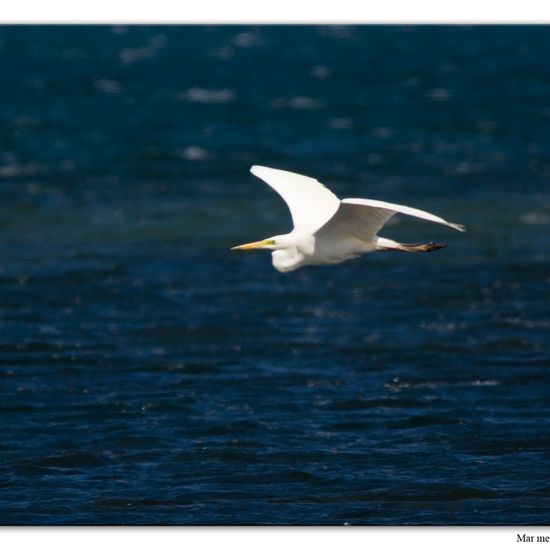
(150, 376)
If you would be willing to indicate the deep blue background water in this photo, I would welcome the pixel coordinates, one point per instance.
(150, 376)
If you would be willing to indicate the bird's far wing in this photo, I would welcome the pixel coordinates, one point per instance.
(363, 218)
(399, 208)
(310, 203)
(355, 220)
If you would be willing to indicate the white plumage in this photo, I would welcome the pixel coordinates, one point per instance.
(328, 230)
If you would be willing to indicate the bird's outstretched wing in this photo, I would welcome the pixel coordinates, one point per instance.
(310, 203)
(363, 218)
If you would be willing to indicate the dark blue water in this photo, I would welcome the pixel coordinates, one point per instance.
(151, 376)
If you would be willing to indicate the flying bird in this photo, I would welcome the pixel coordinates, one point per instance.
(328, 230)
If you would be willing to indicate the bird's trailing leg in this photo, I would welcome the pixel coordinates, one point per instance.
(421, 247)
(387, 244)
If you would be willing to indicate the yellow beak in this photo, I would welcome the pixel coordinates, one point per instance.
(252, 246)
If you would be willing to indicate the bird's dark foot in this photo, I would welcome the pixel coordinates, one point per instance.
(430, 247)
(421, 247)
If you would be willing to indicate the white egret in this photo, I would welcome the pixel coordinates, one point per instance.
(328, 230)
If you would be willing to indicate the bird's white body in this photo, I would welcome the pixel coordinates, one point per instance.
(309, 249)
(328, 230)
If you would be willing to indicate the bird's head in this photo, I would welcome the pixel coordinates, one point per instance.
(273, 243)
(287, 254)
